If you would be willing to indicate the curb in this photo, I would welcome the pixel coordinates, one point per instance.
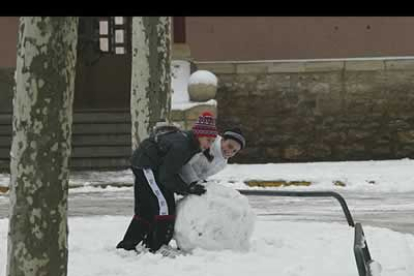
(279, 183)
(5, 189)
(102, 185)
(250, 183)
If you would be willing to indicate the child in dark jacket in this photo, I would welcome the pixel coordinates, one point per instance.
(156, 164)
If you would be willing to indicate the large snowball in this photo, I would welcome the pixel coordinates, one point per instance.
(220, 219)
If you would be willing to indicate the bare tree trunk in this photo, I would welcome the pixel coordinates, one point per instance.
(151, 74)
(42, 129)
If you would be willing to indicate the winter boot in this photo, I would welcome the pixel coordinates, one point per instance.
(136, 233)
(162, 231)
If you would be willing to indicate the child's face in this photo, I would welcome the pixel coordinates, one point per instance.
(206, 142)
(229, 148)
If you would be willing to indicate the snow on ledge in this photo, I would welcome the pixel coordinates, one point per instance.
(307, 60)
(189, 105)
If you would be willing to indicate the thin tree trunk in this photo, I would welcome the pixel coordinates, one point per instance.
(41, 147)
(151, 74)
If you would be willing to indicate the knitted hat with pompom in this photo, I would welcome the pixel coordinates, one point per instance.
(205, 126)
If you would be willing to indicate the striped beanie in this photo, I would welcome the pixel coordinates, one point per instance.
(237, 135)
(205, 126)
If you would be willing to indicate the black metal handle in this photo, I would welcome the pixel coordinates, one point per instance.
(361, 252)
(335, 195)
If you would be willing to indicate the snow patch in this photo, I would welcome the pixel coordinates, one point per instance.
(375, 268)
(307, 60)
(279, 247)
(365, 176)
(188, 105)
(384, 176)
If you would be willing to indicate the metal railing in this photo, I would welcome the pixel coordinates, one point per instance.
(361, 251)
(337, 196)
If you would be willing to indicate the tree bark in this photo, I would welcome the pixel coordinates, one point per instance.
(151, 75)
(41, 147)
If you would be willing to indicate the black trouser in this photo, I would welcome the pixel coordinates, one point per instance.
(154, 218)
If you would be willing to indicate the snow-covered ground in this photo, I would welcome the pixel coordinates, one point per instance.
(385, 176)
(378, 176)
(292, 242)
(277, 248)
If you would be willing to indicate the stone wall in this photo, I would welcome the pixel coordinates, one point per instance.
(293, 111)
(318, 110)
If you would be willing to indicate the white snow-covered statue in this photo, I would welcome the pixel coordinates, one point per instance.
(219, 219)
